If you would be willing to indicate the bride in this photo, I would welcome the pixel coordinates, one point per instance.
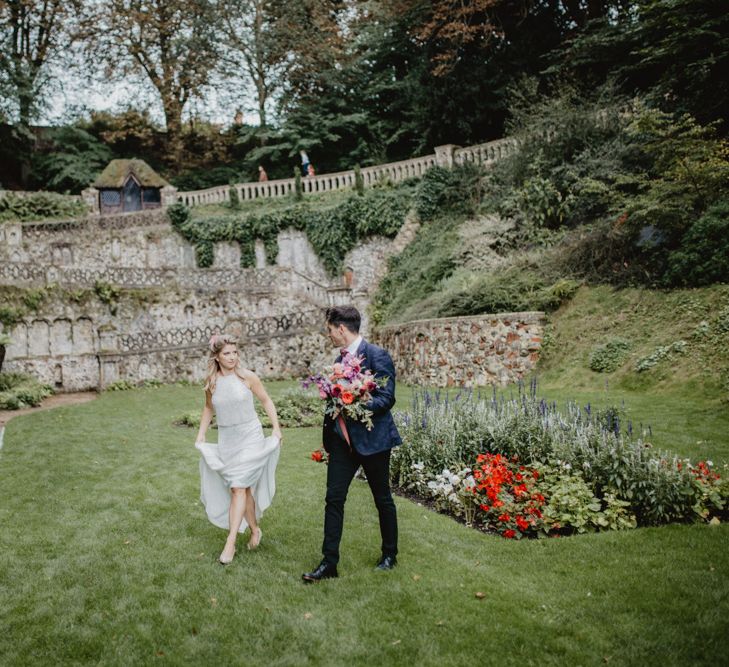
(237, 476)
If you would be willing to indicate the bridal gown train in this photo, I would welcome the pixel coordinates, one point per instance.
(242, 458)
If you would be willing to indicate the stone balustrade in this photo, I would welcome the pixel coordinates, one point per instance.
(394, 172)
(484, 153)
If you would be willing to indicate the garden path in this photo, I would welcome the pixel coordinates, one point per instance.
(55, 401)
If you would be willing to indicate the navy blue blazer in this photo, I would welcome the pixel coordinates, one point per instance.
(384, 434)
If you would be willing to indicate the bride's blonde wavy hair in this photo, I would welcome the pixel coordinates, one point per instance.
(216, 345)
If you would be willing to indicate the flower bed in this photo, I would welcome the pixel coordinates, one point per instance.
(520, 467)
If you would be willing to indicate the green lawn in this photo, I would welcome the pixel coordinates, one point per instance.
(106, 558)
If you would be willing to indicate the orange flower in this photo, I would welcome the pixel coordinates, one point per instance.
(317, 455)
(347, 397)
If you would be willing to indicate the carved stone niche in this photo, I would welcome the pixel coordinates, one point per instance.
(108, 339)
(61, 337)
(39, 340)
(13, 234)
(62, 254)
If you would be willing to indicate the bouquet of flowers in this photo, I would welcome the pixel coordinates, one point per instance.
(347, 389)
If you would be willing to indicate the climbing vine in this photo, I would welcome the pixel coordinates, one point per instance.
(332, 230)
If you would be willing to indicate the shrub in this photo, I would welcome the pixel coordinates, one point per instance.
(178, 214)
(18, 390)
(10, 316)
(659, 354)
(298, 189)
(542, 204)
(572, 504)
(358, 180)
(191, 420)
(233, 198)
(609, 356)
(443, 190)
(126, 385)
(295, 408)
(703, 255)
(108, 294)
(205, 177)
(74, 161)
(39, 206)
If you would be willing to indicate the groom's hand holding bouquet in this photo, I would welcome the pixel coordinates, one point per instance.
(347, 390)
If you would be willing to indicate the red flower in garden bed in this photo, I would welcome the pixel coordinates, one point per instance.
(511, 505)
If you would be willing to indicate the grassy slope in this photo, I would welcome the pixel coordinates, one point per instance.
(683, 398)
(106, 557)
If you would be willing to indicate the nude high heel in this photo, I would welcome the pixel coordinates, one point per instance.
(254, 545)
(226, 560)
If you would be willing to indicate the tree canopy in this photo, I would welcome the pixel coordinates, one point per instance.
(350, 81)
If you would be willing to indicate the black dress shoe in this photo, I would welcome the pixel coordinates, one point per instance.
(323, 571)
(386, 563)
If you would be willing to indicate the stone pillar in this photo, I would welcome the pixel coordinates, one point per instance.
(90, 197)
(168, 195)
(444, 155)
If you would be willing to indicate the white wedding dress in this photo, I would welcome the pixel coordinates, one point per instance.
(242, 458)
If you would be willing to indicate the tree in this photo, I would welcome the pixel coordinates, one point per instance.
(75, 159)
(676, 52)
(171, 42)
(33, 33)
(247, 26)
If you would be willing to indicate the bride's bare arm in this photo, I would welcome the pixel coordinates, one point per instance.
(205, 418)
(259, 391)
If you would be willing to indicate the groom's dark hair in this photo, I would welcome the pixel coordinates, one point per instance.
(347, 315)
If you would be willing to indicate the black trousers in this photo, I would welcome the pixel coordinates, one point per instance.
(343, 464)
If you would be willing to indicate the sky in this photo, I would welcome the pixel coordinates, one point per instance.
(74, 97)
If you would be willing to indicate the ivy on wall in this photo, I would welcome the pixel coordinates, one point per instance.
(332, 230)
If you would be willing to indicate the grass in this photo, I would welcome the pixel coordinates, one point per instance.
(646, 319)
(106, 558)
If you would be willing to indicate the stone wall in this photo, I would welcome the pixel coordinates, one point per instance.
(123, 300)
(464, 351)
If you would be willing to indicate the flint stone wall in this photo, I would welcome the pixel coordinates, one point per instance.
(167, 308)
(162, 335)
(465, 351)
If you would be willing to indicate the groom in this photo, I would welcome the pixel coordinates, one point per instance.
(369, 449)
